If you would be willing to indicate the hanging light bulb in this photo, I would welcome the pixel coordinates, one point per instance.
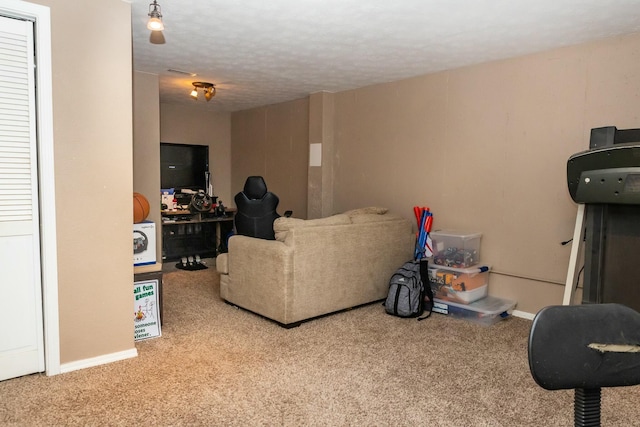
(194, 93)
(209, 93)
(155, 17)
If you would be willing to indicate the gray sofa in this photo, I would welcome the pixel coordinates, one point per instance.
(315, 267)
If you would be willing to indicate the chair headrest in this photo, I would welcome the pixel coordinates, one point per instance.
(255, 187)
(585, 346)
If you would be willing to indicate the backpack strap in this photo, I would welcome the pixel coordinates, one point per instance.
(424, 276)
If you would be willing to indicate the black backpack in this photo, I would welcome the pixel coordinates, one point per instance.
(408, 287)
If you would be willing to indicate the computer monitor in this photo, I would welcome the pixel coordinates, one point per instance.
(183, 166)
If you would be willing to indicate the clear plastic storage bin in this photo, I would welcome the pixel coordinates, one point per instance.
(456, 249)
(487, 311)
(463, 285)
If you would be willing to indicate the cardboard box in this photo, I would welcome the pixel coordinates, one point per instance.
(486, 311)
(456, 249)
(462, 285)
(144, 243)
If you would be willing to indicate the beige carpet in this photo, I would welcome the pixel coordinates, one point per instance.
(216, 365)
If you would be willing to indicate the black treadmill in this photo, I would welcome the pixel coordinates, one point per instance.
(606, 178)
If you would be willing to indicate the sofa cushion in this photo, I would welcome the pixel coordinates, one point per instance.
(282, 225)
(366, 211)
(363, 218)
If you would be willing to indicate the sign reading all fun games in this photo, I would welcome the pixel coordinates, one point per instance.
(146, 316)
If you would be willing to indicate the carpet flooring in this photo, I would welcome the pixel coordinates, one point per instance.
(216, 365)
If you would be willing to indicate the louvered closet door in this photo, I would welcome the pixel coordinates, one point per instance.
(21, 330)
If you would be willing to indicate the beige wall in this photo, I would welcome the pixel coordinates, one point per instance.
(146, 147)
(193, 125)
(93, 171)
(273, 142)
(485, 147)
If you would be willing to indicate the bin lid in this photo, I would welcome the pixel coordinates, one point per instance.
(474, 269)
(455, 233)
(487, 306)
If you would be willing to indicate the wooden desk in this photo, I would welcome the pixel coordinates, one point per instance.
(185, 233)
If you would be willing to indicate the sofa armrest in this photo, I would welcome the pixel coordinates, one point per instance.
(222, 263)
(248, 252)
(260, 276)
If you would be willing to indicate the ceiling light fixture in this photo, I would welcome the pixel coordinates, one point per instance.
(209, 90)
(155, 17)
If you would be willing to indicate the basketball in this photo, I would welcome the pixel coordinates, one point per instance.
(140, 208)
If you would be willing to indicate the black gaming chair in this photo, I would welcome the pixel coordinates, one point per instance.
(256, 209)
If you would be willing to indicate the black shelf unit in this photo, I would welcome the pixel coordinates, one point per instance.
(189, 234)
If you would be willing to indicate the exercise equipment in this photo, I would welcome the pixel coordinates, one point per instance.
(605, 181)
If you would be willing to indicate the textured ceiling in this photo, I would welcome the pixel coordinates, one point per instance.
(261, 52)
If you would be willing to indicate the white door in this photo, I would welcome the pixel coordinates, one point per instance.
(21, 324)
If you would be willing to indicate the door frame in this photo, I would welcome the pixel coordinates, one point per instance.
(41, 17)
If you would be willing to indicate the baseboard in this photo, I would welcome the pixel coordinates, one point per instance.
(523, 314)
(97, 361)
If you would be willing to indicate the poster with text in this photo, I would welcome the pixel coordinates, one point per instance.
(146, 315)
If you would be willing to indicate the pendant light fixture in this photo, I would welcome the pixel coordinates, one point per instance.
(209, 90)
(155, 17)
